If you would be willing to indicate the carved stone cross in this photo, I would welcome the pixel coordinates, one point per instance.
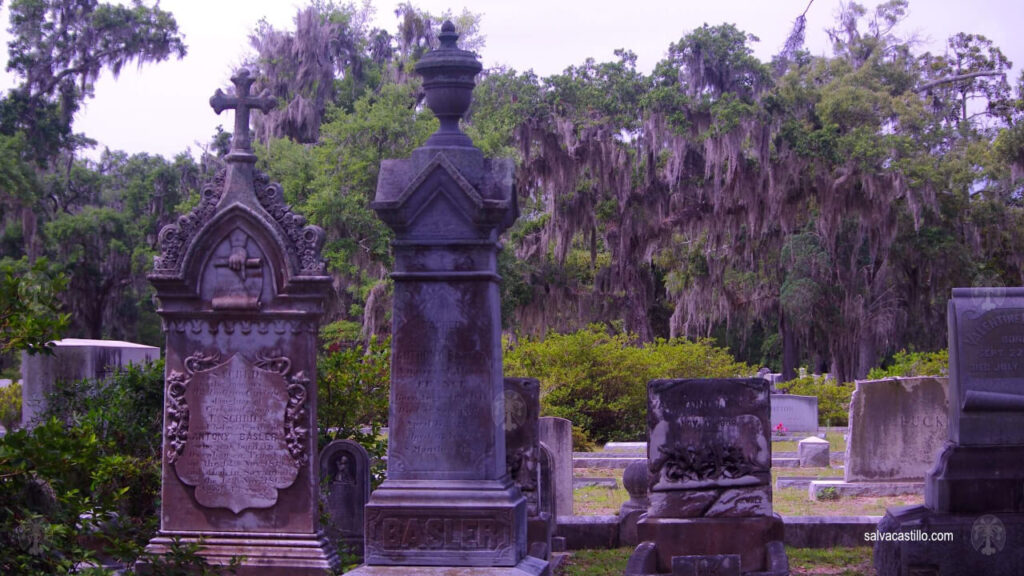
(242, 103)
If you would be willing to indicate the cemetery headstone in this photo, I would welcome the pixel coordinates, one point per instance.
(897, 428)
(976, 488)
(813, 452)
(241, 287)
(556, 434)
(345, 476)
(709, 457)
(523, 457)
(73, 359)
(794, 413)
(448, 501)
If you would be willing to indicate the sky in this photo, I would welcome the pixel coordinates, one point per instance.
(164, 108)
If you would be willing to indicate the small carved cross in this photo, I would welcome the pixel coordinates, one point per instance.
(241, 103)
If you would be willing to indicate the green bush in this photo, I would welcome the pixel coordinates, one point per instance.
(10, 406)
(599, 380)
(353, 398)
(905, 364)
(833, 398)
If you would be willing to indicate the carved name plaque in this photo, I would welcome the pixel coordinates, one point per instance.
(994, 344)
(237, 455)
(456, 531)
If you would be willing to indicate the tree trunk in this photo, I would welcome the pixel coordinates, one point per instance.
(790, 349)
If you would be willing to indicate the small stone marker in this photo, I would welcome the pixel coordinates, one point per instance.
(976, 488)
(448, 503)
(74, 359)
(717, 565)
(897, 428)
(556, 434)
(241, 285)
(813, 452)
(795, 413)
(345, 475)
(635, 480)
(709, 456)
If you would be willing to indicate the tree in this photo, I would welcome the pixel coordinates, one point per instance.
(30, 310)
(58, 49)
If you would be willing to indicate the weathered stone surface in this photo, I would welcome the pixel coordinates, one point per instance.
(556, 434)
(813, 452)
(708, 433)
(794, 413)
(986, 336)
(547, 481)
(241, 285)
(897, 428)
(345, 473)
(74, 359)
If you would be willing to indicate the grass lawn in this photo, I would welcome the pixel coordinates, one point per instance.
(595, 500)
(802, 562)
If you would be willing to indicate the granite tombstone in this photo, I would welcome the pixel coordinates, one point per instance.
(523, 459)
(976, 488)
(241, 285)
(448, 502)
(897, 428)
(556, 434)
(345, 478)
(74, 359)
(794, 413)
(709, 458)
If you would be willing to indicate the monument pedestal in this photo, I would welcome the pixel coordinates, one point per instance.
(977, 480)
(746, 537)
(989, 544)
(528, 566)
(450, 522)
(261, 554)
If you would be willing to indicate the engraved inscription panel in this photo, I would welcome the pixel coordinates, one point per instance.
(237, 454)
(465, 531)
(994, 344)
(442, 397)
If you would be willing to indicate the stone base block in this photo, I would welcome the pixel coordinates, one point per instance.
(747, 537)
(831, 489)
(445, 523)
(529, 566)
(538, 535)
(645, 559)
(587, 532)
(829, 531)
(785, 462)
(261, 554)
(912, 541)
(976, 480)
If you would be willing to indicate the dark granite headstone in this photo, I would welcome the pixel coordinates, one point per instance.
(523, 458)
(241, 284)
(345, 477)
(448, 500)
(976, 488)
(709, 458)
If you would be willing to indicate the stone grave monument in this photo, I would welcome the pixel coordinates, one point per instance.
(345, 478)
(73, 359)
(897, 428)
(976, 488)
(794, 413)
(709, 457)
(556, 434)
(448, 504)
(523, 460)
(241, 285)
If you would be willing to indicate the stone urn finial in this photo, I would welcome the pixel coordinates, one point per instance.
(448, 80)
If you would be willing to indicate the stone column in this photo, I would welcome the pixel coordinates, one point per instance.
(448, 500)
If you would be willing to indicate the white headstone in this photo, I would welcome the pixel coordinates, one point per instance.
(795, 413)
